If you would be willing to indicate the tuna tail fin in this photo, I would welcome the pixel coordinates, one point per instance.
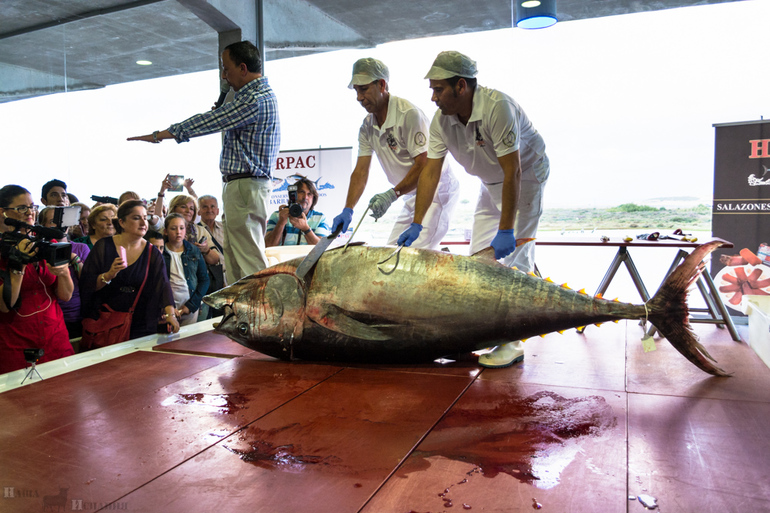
(668, 310)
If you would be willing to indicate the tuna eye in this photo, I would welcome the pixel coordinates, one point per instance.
(243, 329)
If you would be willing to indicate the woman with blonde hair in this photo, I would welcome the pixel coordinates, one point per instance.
(99, 224)
(187, 207)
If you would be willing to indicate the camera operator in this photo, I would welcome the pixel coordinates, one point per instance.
(306, 227)
(30, 316)
(72, 317)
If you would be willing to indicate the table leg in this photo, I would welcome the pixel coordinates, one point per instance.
(720, 304)
(635, 276)
(622, 257)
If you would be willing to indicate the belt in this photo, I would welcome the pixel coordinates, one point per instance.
(238, 176)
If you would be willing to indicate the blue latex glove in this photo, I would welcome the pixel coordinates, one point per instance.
(381, 202)
(410, 235)
(504, 243)
(343, 220)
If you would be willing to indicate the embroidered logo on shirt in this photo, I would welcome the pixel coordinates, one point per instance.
(392, 144)
(509, 138)
(419, 139)
(479, 139)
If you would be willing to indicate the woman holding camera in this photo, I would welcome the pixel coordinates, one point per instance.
(30, 316)
(71, 308)
(122, 266)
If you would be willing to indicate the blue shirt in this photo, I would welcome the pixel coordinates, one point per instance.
(315, 220)
(252, 130)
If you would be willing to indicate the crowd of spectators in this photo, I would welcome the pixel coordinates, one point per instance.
(169, 255)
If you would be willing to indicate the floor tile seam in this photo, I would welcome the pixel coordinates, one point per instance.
(227, 357)
(420, 441)
(546, 384)
(421, 373)
(703, 398)
(628, 418)
(229, 435)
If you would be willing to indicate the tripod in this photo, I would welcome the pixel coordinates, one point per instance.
(30, 371)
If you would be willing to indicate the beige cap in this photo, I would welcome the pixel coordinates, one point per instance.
(367, 70)
(452, 64)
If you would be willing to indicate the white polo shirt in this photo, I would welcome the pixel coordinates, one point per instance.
(402, 137)
(497, 126)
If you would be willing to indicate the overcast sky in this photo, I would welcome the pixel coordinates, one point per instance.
(625, 104)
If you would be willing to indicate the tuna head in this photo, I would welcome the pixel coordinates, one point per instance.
(264, 311)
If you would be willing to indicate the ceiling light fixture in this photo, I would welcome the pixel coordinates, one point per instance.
(144, 63)
(534, 14)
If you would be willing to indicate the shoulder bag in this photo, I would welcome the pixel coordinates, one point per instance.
(111, 327)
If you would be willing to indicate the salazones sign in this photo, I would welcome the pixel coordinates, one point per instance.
(741, 211)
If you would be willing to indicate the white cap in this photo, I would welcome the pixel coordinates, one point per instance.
(452, 64)
(367, 70)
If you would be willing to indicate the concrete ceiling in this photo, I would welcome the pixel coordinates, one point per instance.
(49, 46)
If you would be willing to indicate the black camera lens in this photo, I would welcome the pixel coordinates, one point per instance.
(295, 210)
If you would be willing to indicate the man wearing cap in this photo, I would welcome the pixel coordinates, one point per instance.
(396, 131)
(489, 134)
(252, 138)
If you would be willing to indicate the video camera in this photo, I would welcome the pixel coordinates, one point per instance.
(295, 209)
(105, 199)
(55, 253)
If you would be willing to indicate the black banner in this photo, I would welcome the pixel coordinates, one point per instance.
(741, 211)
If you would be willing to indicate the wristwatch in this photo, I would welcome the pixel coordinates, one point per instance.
(305, 232)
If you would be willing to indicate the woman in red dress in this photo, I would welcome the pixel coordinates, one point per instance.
(31, 318)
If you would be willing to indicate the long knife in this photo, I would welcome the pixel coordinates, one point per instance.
(354, 231)
(312, 257)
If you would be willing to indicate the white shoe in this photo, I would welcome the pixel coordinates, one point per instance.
(503, 356)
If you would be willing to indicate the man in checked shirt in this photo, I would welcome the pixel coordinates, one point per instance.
(252, 139)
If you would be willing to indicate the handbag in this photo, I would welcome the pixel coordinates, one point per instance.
(111, 327)
(216, 272)
(216, 278)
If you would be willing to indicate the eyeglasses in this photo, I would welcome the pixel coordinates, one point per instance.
(23, 209)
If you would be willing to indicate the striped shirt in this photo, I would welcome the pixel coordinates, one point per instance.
(293, 236)
(251, 126)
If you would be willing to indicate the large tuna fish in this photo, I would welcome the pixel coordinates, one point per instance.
(422, 305)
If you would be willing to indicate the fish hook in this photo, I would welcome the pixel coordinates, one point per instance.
(397, 254)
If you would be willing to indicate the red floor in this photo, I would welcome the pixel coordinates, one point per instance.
(585, 422)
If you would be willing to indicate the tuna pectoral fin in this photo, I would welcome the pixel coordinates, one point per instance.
(365, 327)
(220, 298)
(668, 310)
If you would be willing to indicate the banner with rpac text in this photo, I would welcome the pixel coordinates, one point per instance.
(741, 211)
(328, 168)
